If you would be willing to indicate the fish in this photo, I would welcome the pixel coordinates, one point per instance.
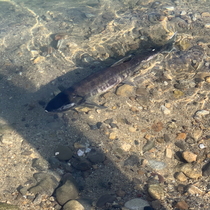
(82, 92)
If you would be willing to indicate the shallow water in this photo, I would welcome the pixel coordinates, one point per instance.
(46, 44)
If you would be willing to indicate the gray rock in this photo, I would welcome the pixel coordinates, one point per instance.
(54, 162)
(46, 184)
(181, 144)
(105, 199)
(81, 164)
(136, 204)
(73, 205)
(206, 169)
(68, 191)
(148, 146)
(86, 203)
(63, 152)
(156, 191)
(5, 206)
(158, 165)
(40, 164)
(80, 204)
(131, 161)
(96, 156)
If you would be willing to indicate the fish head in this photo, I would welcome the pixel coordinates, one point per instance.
(64, 101)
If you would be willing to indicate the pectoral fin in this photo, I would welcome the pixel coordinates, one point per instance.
(123, 60)
(129, 81)
(93, 105)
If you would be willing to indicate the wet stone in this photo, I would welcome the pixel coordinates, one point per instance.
(136, 204)
(157, 165)
(108, 121)
(181, 136)
(104, 199)
(189, 156)
(86, 203)
(54, 162)
(180, 176)
(181, 144)
(166, 138)
(63, 152)
(81, 164)
(157, 126)
(131, 161)
(193, 190)
(206, 169)
(73, 205)
(197, 134)
(169, 153)
(156, 191)
(182, 205)
(66, 192)
(148, 146)
(189, 171)
(46, 184)
(96, 156)
(40, 164)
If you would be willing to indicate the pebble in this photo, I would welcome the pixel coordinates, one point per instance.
(38, 59)
(197, 134)
(96, 156)
(199, 114)
(148, 146)
(183, 12)
(7, 139)
(189, 171)
(40, 164)
(73, 205)
(165, 110)
(193, 190)
(80, 152)
(206, 169)
(157, 126)
(178, 93)
(107, 198)
(182, 205)
(81, 164)
(46, 184)
(157, 165)
(63, 152)
(66, 192)
(132, 129)
(126, 147)
(112, 135)
(181, 144)
(54, 162)
(169, 8)
(202, 146)
(131, 161)
(156, 191)
(169, 153)
(205, 14)
(189, 156)
(136, 204)
(207, 79)
(124, 90)
(181, 136)
(166, 138)
(180, 176)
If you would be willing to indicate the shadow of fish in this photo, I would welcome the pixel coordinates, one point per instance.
(81, 93)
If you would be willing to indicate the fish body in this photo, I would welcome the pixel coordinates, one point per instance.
(97, 83)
